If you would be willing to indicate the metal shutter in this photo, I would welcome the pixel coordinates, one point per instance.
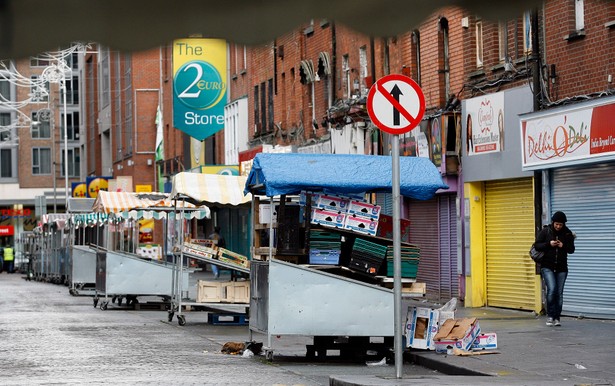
(449, 279)
(587, 196)
(509, 229)
(423, 216)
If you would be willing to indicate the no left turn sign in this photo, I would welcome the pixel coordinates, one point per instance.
(396, 104)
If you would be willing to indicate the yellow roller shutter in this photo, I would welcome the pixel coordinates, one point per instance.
(509, 230)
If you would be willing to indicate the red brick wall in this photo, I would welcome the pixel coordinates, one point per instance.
(582, 65)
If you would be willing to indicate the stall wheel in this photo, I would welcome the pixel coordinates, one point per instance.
(269, 355)
(171, 314)
(181, 320)
(95, 302)
(103, 305)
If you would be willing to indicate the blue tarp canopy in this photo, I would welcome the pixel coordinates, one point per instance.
(275, 174)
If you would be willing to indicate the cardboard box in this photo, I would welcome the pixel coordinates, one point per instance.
(359, 224)
(456, 333)
(303, 198)
(485, 341)
(328, 218)
(264, 213)
(421, 327)
(364, 209)
(333, 203)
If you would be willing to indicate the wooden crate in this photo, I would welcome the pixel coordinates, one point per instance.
(237, 291)
(210, 292)
(233, 258)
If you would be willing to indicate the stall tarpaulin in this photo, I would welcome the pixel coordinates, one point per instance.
(288, 173)
(211, 188)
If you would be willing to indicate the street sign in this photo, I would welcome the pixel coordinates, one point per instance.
(396, 104)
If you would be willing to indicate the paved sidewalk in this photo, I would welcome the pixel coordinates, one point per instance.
(580, 352)
(48, 336)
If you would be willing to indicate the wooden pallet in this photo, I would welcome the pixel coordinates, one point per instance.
(227, 319)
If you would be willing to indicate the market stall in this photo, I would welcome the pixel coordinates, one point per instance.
(219, 191)
(123, 270)
(82, 258)
(326, 300)
(51, 257)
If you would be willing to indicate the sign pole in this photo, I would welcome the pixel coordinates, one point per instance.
(396, 105)
(396, 257)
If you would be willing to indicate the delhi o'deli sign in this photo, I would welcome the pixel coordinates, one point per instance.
(199, 86)
(396, 104)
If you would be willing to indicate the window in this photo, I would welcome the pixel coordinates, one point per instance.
(527, 33)
(445, 57)
(6, 163)
(72, 126)
(579, 15)
(257, 126)
(105, 79)
(41, 128)
(5, 89)
(72, 91)
(479, 43)
(73, 162)
(91, 116)
(39, 90)
(270, 105)
(72, 61)
(263, 99)
(5, 127)
(502, 41)
(39, 62)
(346, 71)
(416, 48)
(41, 160)
(128, 103)
(362, 70)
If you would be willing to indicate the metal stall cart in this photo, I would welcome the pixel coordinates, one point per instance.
(337, 294)
(124, 274)
(54, 248)
(233, 296)
(81, 258)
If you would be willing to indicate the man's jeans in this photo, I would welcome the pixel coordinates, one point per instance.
(555, 291)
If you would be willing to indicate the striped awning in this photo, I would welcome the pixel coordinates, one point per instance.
(122, 202)
(60, 219)
(210, 188)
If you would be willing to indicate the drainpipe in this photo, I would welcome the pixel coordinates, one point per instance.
(536, 61)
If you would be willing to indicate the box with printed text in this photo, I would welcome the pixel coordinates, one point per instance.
(360, 224)
(335, 203)
(456, 333)
(365, 209)
(328, 218)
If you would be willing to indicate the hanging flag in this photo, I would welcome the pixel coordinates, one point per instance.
(159, 136)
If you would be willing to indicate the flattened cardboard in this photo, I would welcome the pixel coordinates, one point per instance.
(456, 333)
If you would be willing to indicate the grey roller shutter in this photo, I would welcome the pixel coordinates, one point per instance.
(587, 196)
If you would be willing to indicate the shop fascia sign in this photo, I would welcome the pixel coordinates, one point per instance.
(570, 136)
